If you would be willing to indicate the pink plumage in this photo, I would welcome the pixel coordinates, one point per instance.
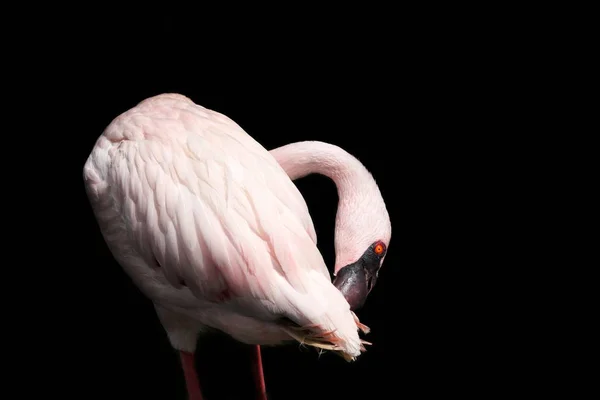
(212, 229)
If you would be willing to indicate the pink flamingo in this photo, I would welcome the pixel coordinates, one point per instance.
(212, 229)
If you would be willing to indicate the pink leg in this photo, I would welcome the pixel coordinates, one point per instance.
(258, 375)
(191, 378)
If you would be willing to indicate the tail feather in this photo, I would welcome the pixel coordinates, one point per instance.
(316, 336)
(321, 316)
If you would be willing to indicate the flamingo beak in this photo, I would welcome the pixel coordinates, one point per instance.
(355, 281)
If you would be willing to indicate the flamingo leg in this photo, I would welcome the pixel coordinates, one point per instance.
(191, 377)
(259, 376)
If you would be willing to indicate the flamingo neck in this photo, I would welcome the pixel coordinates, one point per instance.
(356, 187)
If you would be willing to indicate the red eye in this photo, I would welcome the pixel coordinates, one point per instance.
(379, 248)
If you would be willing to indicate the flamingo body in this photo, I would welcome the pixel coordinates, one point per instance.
(211, 228)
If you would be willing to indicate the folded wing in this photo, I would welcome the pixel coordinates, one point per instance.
(207, 205)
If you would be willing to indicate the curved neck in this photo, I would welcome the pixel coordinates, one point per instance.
(305, 158)
(357, 190)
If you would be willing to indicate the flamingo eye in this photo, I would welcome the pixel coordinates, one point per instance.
(379, 248)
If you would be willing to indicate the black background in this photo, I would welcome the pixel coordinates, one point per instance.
(422, 106)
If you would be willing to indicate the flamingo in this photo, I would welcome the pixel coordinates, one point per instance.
(209, 225)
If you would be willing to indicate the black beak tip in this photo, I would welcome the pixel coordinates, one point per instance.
(355, 285)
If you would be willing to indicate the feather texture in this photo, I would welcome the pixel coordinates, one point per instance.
(209, 225)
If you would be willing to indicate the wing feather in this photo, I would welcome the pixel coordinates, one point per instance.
(211, 206)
